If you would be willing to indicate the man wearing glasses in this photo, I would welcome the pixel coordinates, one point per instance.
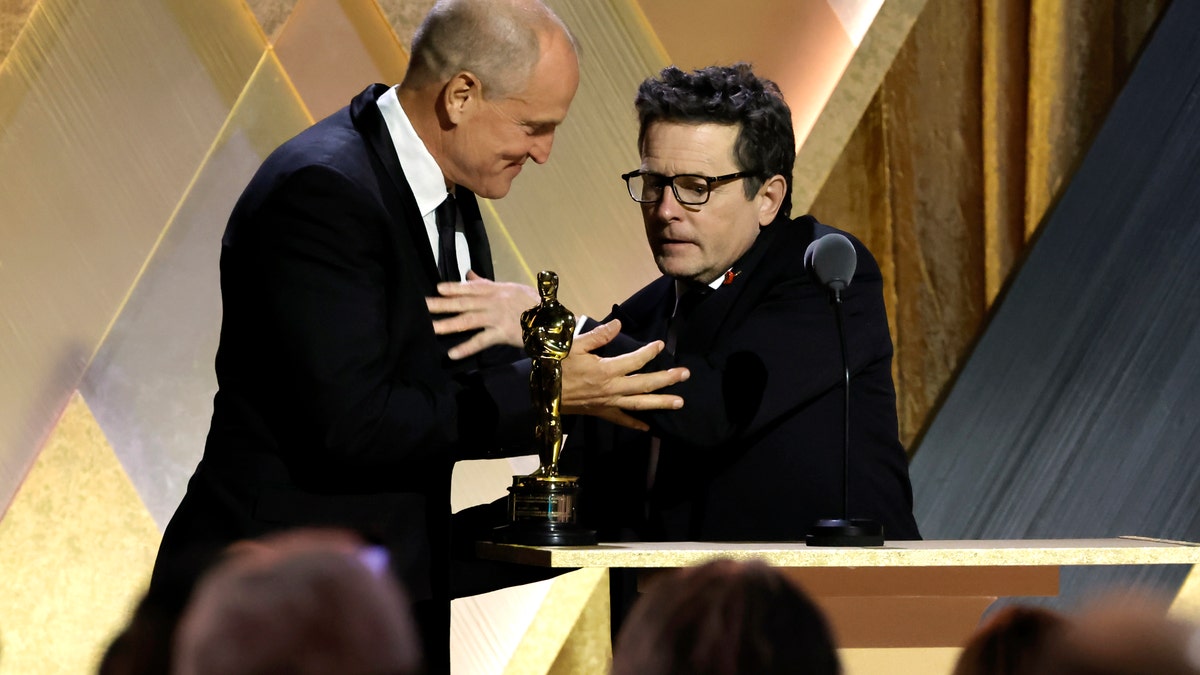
(756, 452)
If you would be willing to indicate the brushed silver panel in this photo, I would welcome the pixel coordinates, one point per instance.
(106, 111)
(152, 381)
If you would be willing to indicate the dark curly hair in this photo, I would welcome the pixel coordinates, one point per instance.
(766, 143)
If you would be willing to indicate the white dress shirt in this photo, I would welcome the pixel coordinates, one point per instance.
(423, 174)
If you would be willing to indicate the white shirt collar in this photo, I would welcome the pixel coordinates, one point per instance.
(420, 169)
(681, 288)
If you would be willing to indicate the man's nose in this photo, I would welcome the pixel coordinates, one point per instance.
(667, 205)
(539, 152)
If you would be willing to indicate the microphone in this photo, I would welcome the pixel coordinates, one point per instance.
(832, 260)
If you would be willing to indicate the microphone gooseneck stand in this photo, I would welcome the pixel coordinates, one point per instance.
(832, 260)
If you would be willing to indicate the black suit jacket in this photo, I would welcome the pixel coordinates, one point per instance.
(755, 454)
(336, 402)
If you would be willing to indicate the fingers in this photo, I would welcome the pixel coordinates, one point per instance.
(616, 414)
(474, 293)
(459, 323)
(597, 337)
(477, 343)
(474, 285)
(449, 304)
(480, 304)
(627, 363)
(664, 378)
(650, 402)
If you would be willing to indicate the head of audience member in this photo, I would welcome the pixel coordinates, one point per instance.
(308, 601)
(1125, 633)
(723, 618)
(700, 135)
(488, 84)
(1010, 642)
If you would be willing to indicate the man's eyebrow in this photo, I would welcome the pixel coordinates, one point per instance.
(542, 125)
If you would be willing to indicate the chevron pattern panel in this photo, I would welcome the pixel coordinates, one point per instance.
(1075, 414)
(127, 130)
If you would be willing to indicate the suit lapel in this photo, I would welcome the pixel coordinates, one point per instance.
(399, 200)
(369, 121)
(477, 239)
(644, 316)
(749, 275)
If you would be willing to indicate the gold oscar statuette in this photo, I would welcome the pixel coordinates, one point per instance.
(542, 505)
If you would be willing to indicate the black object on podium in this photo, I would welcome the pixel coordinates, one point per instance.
(832, 260)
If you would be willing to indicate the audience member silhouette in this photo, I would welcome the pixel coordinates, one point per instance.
(723, 618)
(1125, 633)
(1010, 642)
(303, 602)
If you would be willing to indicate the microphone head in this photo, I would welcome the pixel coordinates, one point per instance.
(833, 260)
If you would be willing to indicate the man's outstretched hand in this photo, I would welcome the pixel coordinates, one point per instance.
(491, 307)
(608, 387)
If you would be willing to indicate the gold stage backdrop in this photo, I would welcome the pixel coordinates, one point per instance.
(128, 128)
(976, 129)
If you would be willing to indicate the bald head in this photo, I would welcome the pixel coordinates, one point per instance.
(488, 84)
(499, 41)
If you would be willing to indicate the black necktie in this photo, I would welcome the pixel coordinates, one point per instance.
(676, 326)
(447, 217)
(683, 308)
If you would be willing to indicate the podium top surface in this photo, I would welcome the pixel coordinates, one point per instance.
(957, 553)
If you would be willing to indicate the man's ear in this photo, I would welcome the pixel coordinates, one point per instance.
(461, 95)
(770, 198)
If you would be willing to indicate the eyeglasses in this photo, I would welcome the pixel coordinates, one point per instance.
(689, 188)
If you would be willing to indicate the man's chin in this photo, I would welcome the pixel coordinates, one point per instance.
(674, 268)
(493, 191)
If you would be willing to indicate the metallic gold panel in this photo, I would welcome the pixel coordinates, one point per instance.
(405, 16)
(588, 647)
(151, 383)
(802, 46)
(816, 156)
(76, 548)
(1005, 75)
(570, 633)
(1187, 601)
(332, 49)
(910, 185)
(271, 15)
(945, 189)
(572, 215)
(1079, 55)
(486, 630)
(106, 110)
(555, 626)
(223, 38)
(13, 15)
(934, 154)
(855, 198)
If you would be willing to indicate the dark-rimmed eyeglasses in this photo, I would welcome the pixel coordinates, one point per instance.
(689, 188)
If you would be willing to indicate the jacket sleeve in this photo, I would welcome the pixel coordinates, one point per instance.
(335, 341)
(783, 353)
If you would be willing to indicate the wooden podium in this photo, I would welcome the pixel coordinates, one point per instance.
(912, 602)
